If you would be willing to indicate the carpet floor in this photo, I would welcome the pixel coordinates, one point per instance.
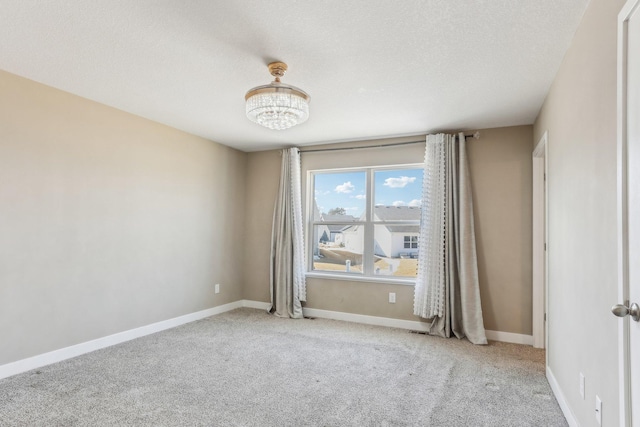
(247, 368)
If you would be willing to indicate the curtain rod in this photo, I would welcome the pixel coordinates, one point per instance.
(475, 135)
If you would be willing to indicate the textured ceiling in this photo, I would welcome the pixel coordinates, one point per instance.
(373, 68)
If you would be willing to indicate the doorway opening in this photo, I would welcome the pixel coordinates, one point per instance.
(540, 245)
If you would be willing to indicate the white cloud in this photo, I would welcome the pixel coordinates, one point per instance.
(347, 187)
(415, 203)
(399, 182)
(350, 209)
(398, 203)
(359, 197)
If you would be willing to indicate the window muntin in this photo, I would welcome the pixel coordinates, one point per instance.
(360, 219)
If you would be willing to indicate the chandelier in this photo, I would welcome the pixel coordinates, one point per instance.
(276, 105)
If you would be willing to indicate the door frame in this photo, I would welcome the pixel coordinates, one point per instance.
(539, 242)
(622, 221)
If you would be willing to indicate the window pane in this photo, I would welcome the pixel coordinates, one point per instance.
(339, 196)
(338, 247)
(399, 187)
(396, 250)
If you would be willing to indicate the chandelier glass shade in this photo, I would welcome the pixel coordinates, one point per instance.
(276, 105)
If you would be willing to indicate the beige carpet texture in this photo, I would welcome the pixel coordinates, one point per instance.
(248, 368)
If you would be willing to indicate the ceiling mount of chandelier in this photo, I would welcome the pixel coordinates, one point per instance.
(277, 105)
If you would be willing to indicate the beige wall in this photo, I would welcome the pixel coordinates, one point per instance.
(580, 116)
(500, 164)
(108, 221)
(263, 174)
(501, 169)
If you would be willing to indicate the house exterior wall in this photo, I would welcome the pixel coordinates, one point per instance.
(338, 238)
(354, 240)
(383, 241)
(397, 246)
(391, 245)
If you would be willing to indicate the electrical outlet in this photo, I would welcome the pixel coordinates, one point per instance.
(217, 288)
(598, 410)
(582, 385)
(392, 297)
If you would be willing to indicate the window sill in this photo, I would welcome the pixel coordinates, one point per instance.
(354, 278)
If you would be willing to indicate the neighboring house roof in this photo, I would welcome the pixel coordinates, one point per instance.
(337, 218)
(394, 213)
(397, 213)
(350, 229)
(403, 228)
(335, 228)
(391, 228)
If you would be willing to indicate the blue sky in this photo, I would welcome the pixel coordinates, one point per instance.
(347, 190)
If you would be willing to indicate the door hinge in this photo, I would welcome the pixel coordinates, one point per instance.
(545, 246)
(545, 317)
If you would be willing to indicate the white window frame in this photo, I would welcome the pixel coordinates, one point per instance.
(368, 273)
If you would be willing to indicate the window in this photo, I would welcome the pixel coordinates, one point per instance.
(365, 222)
(411, 242)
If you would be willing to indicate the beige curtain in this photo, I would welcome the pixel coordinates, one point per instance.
(288, 287)
(447, 288)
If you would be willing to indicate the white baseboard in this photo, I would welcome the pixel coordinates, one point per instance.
(256, 304)
(412, 325)
(44, 359)
(555, 387)
(510, 337)
(367, 320)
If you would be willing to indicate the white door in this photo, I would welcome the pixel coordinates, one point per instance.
(629, 209)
